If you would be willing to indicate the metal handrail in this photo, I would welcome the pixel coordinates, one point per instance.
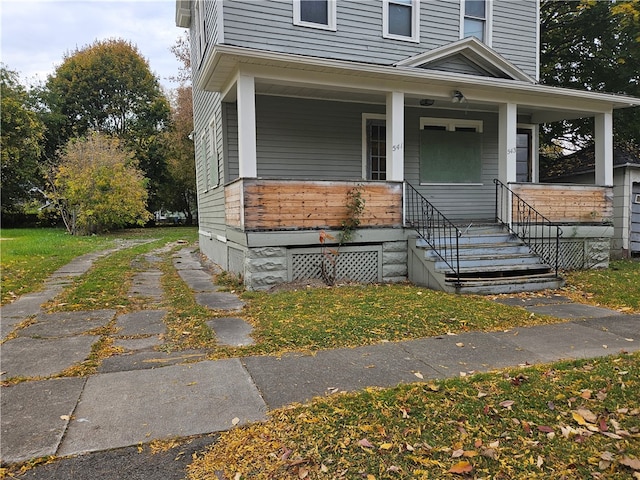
(533, 228)
(434, 228)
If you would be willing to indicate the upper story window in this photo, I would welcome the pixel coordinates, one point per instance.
(315, 13)
(200, 26)
(401, 19)
(475, 20)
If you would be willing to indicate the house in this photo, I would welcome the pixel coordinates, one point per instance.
(578, 168)
(429, 109)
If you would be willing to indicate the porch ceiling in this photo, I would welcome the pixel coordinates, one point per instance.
(311, 77)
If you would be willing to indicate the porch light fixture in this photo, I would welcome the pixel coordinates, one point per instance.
(457, 96)
(427, 102)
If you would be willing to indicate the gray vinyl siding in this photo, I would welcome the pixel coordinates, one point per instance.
(515, 33)
(300, 138)
(457, 65)
(268, 25)
(207, 106)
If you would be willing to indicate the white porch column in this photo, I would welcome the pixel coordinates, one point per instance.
(247, 156)
(507, 134)
(604, 149)
(395, 136)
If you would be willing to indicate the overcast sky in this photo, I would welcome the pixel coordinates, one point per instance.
(36, 34)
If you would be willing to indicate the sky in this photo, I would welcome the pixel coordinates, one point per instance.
(37, 34)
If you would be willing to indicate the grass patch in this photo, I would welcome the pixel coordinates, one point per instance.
(346, 316)
(107, 283)
(616, 287)
(567, 420)
(30, 255)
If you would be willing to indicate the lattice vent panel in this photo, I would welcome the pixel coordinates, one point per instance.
(357, 266)
(573, 255)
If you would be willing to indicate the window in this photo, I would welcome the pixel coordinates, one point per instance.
(315, 13)
(201, 32)
(214, 159)
(374, 146)
(401, 19)
(474, 20)
(450, 151)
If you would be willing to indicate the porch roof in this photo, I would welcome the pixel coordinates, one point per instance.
(314, 77)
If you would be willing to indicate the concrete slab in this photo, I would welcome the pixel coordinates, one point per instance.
(299, 378)
(125, 408)
(24, 307)
(626, 326)
(198, 280)
(35, 416)
(30, 357)
(232, 331)
(565, 341)
(143, 322)
(473, 351)
(220, 301)
(65, 324)
(572, 311)
(533, 300)
(136, 344)
(147, 360)
(124, 463)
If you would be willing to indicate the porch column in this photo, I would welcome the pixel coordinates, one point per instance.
(604, 149)
(247, 157)
(395, 136)
(507, 134)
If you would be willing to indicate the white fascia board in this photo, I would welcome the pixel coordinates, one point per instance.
(223, 60)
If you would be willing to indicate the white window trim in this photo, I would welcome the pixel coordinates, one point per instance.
(331, 17)
(488, 22)
(204, 148)
(451, 123)
(214, 161)
(415, 22)
(365, 118)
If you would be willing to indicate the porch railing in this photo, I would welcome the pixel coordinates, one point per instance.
(434, 228)
(539, 233)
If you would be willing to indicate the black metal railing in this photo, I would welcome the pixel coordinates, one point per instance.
(539, 233)
(434, 228)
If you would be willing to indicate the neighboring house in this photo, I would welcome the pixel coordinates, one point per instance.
(420, 105)
(578, 168)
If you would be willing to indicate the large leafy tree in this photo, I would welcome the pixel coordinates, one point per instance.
(592, 45)
(179, 192)
(97, 186)
(20, 143)
(108, 87)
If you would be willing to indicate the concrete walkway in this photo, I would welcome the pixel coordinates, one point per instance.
(145, 394)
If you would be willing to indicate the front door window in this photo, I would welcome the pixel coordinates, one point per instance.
(376, 150)
(523, 156)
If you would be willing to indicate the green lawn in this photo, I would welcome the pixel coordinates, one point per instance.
(576, 419)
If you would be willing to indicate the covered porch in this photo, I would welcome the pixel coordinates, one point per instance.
(301, 131)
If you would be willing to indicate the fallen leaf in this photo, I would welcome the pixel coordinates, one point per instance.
(633, 463)
(365, 443)
(545, 429)
(578, 418)
(304, 473)
(433, 387)
(459, 344)
(586, 394)
(457, 453)
(419, 375)
(324, 468)
(507, 404)
(371, 477)
(386, 446)
(489, 453)
(64, 417)
(235, 421)
(588, 415)
(482, 394)
(461, 468)
(409, 447)
(540, 461)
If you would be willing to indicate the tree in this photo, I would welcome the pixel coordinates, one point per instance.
(180, 193)
(98, 186)
(22, 134)
(592, 45)
(108, 87)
